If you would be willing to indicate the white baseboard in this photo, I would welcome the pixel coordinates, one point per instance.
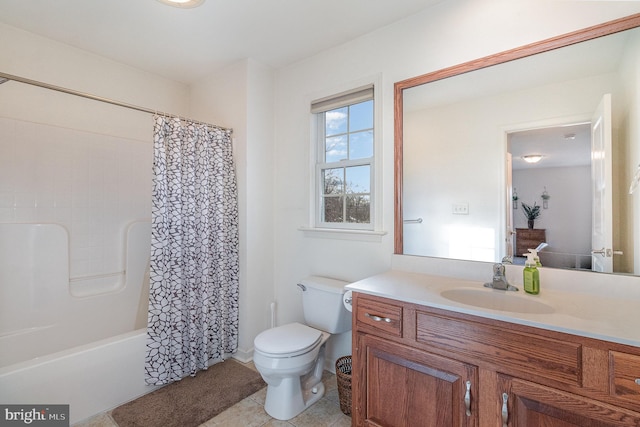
(244, 356)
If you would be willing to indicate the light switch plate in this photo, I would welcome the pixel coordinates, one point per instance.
(460, 209)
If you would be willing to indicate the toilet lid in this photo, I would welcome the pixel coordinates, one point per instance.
(285, 339)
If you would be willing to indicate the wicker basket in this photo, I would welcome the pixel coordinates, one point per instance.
(343, 376)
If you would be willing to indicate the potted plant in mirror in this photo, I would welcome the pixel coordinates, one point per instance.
(531, 212)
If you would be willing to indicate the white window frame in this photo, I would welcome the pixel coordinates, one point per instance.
(318, 108)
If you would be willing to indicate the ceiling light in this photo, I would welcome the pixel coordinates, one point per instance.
(569, 136)
(532, 158)
(183, 3)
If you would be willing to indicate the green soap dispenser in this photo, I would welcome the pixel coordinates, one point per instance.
(536, 257)
(531, 275)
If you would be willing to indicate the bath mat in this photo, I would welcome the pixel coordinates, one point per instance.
(193, 400)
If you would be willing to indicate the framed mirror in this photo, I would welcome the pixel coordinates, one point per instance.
(462, 187)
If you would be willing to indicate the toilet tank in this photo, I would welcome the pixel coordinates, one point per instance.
(322, 304)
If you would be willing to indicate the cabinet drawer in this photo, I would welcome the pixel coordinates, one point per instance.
(383, 317)
(528, 353)
(625, 376)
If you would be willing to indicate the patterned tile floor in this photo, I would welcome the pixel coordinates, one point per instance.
(250, 412)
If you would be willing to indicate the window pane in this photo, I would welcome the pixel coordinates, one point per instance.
(361, 116)
(358, 179)
(333, 181)
(358, 209)
(345, 156)
(336, 121)
(361, 145)
(335, 149)
(333, 209)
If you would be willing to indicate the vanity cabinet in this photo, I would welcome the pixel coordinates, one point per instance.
(420, 366)
(408, 387)
(529, 404)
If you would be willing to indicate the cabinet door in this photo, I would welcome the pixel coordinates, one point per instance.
(408, 387)
(533, 405)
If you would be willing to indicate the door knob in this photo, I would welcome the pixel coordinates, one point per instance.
(606, 252)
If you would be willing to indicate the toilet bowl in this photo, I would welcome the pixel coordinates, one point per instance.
(291, 357)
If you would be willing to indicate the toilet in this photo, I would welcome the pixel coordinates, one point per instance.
(291, 357)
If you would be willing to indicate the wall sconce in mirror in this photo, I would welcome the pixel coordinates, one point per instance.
(515, 198)
(545, 198)
(532, 158)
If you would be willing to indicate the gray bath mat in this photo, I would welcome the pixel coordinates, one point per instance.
(193, 400)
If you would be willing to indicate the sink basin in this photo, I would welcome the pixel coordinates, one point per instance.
(514, 302)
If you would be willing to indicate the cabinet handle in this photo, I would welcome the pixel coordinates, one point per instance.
(637, 381)
(505, 410)
(378, 318)
(467, 398)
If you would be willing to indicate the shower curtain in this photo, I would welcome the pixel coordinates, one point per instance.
(193, 296)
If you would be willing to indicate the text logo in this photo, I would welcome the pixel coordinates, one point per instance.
(34, 415)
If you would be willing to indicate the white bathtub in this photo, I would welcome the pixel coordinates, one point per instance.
(85, 349)
(91, 378)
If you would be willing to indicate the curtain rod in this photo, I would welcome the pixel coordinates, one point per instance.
(4, 77)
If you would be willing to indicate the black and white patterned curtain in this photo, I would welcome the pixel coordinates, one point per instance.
(193, 297)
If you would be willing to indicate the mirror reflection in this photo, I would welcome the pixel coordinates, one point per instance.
(550, 168)
(466, 187)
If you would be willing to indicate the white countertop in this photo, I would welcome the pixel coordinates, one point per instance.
(604, 315)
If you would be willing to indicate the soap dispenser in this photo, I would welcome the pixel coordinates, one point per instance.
(536, 258)
(531, 275)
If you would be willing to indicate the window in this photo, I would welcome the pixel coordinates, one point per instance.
(345, 160)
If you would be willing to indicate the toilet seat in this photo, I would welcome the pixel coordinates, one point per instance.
(288, 340)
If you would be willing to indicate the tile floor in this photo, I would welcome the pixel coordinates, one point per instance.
(250, 412)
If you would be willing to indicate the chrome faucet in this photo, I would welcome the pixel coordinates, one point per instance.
(499, 279)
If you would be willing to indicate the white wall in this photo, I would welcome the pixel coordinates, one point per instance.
(449, 33)
(27, 55)
(241, 97)
(629, 156)
(567, 220)
(634, 161)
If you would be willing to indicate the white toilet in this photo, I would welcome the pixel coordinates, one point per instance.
(291, 357)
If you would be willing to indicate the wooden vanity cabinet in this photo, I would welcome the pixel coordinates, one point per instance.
(409, 387)
(420, 366)
(528, 404)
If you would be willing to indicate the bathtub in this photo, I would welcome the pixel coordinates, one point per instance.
(82, 347)
(91, 378)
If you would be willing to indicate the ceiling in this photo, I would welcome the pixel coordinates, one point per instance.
(187, 44)
(560, 146)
